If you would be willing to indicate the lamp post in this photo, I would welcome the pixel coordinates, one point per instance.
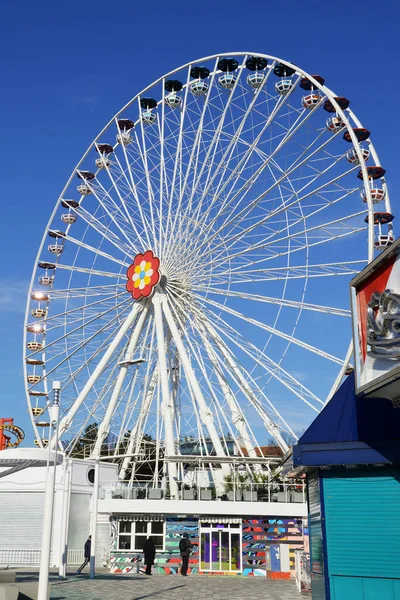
(54, 411)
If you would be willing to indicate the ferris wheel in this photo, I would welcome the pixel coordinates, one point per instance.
(191, 285)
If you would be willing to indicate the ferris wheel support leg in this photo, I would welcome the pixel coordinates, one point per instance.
(248, 392)
(341, 372)
(133, 438)
(105, 424)
(66, 421)
(205, 412)
(237, 418)
(166, 396)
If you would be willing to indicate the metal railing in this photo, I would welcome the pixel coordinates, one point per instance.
(20, 556)
(241, 492)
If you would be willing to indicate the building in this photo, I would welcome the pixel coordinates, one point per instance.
(245, 531)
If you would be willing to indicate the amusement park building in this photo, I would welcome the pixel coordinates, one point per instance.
(245, 533)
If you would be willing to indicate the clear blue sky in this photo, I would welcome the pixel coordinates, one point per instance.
(67, 67)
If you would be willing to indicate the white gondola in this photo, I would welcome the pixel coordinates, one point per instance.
(124, 138)
(377, 194)
(284, 86)
(56, 249)
(34, 346)
(32, 379)
(384, 240)
(227, 81)
(255, 80)
(334, 124)
(46, 279)
(352, 157)
(173, 100)
(311, 101)
(149, 117)
(39, 313)
(69, 218)
(83, 189)
(103, 162)
(199, 88)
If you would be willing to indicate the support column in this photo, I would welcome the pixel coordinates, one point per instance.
(205, 412)
(66, 421)
(166, 396)
(104, 426)
(93, 523)
(63, 561)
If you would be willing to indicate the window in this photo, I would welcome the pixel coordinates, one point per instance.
(133, 534)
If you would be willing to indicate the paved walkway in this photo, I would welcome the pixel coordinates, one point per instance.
(173, 587)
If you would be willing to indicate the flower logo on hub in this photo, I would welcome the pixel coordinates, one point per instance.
(143, 275)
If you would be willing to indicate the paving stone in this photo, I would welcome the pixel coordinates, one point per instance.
(107, 586)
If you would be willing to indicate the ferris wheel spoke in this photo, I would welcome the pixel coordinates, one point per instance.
(150, 192)
(126, 214)
(249, 388)
(98, 187)
(212, 146)
(70, 376)
(72, 311)
(273, 369)
(273, 213)
(246, 187)
(236, 173)
(192, 157)
(94, 250)
(281, 301)
(238, 417)
(230, 364)
(131, 184)
(85, 292)
(90, 271)
(226, 276)
(332, 230)
(86, 325)
(274, 331)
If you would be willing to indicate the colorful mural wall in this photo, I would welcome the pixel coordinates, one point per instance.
(268, 547)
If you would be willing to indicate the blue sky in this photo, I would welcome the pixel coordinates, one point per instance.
(67, 67)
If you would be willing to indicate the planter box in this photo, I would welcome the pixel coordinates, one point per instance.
(188, 494)
(249, 496)
(205, 495)
(155, 494)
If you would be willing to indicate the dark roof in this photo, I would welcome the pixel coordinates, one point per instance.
(266, 451)
(351, 430)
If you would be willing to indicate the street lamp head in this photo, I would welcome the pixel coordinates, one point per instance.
(56, 385)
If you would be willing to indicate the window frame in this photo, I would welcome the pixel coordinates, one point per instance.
(133, 535)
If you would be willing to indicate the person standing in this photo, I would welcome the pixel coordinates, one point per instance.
(149, 551)
(88, 546)
(185, 548)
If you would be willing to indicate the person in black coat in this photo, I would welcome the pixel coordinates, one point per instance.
(185, 548)
(149, 551)
(88, 546)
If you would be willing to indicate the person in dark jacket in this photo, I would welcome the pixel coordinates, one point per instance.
(88, 546)
(185, 548)
(149, 551)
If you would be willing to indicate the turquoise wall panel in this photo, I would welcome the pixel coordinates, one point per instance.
(364, 588)
(362, 521)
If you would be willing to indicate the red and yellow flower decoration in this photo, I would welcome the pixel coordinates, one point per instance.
(143, 275)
